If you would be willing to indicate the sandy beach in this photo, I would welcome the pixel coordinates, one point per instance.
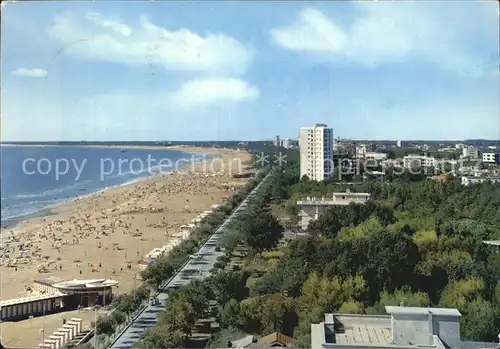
(109, 231)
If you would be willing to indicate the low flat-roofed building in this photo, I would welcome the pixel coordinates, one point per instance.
(401, 328)
(374, 175)
(376, 156)
(416, 161)
(469, 180)
(312, 208)
(491, 158)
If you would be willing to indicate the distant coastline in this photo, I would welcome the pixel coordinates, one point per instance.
(177, 147)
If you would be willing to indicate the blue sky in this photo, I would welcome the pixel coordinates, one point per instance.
(249, 70)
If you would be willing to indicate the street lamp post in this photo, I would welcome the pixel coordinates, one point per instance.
(96, 308)
(43, 325)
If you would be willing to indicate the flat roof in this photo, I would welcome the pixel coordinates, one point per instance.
(363, 334)
(421, 311)
(492, 242)
(91, 283)
(29, 299)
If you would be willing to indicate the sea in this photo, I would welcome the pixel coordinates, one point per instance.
(34, 178)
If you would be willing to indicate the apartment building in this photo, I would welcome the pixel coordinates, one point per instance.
(316, 152)
(491, 158)
(414, 161)
(376, 156)
(287, 143)
(311, 208)
(276, 141)
(402, 328)
(470, 152)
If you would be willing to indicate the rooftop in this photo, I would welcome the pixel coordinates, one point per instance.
(492, 242)
(353, 329)
(29, 299)
(402, 328)
(422, 311)
(356, 334)
(333, 200)
(90, 283)
(276, 337)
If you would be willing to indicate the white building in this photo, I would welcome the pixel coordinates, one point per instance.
(376, 156)
(363, 149)
(398, 144)
(413, 161)
(468, 180)
(312, 208)
(276, 141)
(470, 152)
(316, 152)
(402, 328)
(287, 143)
(491, 158)
(374, 175)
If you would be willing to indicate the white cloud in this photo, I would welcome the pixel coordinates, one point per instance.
(214, 90)
(312, 32)
(149, 44)
(387, 32)
(29, 73)
(106, 23)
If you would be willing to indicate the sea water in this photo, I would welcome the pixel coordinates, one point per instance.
(33, 178)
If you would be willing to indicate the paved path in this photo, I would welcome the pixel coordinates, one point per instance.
(196, 268)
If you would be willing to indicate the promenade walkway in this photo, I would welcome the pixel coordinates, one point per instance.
(196, 268)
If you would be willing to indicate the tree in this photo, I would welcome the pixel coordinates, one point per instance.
(161, 270)
(457, 294)
(179, 314)
(230, 315)
(159, 337)
(260, 229)
(124, 302)
(403, 295)
(228, 284)
(199, 294)
(327, 224)
(278, 315)
(105, 325)
(481, 321)
(118, 317)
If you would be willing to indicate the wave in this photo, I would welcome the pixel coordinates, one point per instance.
(49, 192)
(27, 209)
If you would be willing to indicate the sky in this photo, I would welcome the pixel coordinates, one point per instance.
(241, 70)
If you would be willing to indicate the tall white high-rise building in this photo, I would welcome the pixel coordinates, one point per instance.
(316, 152)
(276, 141)
(287, 143)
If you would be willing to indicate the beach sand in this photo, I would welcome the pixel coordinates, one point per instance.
(107, 231)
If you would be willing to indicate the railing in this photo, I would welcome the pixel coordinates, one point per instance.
(86, 338)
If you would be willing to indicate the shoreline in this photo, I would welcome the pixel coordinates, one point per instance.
(105, 235)
(185, 148)
(51, 209)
